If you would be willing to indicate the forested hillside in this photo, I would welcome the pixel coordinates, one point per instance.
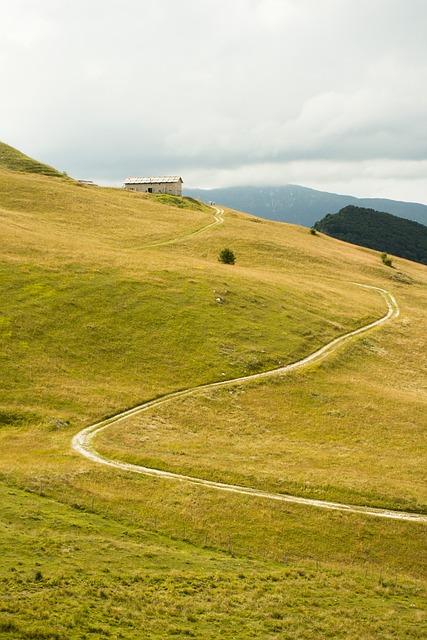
(377, 230)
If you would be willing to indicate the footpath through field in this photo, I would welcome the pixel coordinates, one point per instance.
(218, 219)
(83, 441)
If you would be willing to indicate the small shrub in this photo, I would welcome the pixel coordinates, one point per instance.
(227, 256)
(313, 231)
(386, 259)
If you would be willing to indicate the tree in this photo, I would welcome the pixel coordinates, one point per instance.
(227, 256)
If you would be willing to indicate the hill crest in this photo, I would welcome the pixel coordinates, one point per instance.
(14, 160)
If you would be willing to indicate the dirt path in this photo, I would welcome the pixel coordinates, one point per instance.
(83, 441)
(218, 219)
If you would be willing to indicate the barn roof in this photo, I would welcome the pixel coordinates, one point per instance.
(153, 180)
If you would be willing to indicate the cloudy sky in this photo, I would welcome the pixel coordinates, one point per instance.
(329, 94)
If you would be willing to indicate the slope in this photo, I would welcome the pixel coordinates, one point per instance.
(140, 584)
(96, 319)
(14, 160)
(96, 299)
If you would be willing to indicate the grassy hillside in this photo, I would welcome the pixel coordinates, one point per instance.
(108, 299)
(377, 230)
(142, 584)
(14, 160)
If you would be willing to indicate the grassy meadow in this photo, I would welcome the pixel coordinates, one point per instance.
(328, 431)
(91, 576)
(108, 299)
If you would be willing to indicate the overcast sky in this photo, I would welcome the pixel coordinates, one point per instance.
(329, 94)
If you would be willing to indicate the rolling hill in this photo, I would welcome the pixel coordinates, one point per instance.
(301, 205)
(377, 230)
(15, 160)
(111, 298)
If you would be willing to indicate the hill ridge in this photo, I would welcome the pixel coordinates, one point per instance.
(14, 160)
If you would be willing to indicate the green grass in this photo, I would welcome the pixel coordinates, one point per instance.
(182, 202)
(67, 573)
(14, 160)
(348, 430)
(95, 318)
(96, 328)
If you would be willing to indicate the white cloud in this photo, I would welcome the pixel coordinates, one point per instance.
(216, 89)
(398, 180)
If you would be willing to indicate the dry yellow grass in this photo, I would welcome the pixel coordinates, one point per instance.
(50, 222)
(351, 429)
(94, 321)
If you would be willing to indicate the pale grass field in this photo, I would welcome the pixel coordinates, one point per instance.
(350, 429)
(93, 323)
(51, 222)
(101, 326)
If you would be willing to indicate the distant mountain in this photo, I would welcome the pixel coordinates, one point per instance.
(377, 230)
(14, 160)
(300, 205)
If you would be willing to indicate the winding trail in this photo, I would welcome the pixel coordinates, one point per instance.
(218, 219)
(83, 441)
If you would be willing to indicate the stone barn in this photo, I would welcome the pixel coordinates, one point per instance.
(171, 185)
